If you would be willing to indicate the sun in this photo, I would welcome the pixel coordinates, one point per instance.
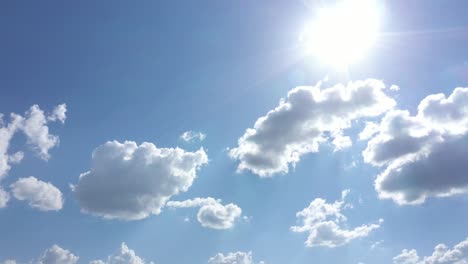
(341, 34)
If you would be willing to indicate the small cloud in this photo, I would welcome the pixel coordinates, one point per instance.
(212, 213)
(377, 244)
(40, 195)
(327, 226)
(352, 165)
(233, 258)
(191, 136)
(394, 87)
(247, 219)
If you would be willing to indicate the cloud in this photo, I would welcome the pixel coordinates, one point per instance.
(6, 134)
(57, 255)
(395, 87)
(323, 221)
(369, 130)
(189, 136)
(233, 258)
(129, 181)
(308, 117)
(40, 195)
(36, 129)
(124, 255)
(59, 113)
(4, 198)
(212, 213)
(422, 155)
(441, 255)
(34, 126)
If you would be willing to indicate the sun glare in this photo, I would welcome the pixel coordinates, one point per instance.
(341, 34)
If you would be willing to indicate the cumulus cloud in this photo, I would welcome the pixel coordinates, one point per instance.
(4, 198)
(189, 136)
(324, 223)
(233, 258)
(124, 255)
(6, 134)
(59, 113)
(442, 255)
(212, 213)
(40, 195)
(57, 255)
(129, 181)
(34, 126)
(307, 117)
(422, 155)
(406, 257)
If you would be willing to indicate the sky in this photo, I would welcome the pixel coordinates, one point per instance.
(195, 132)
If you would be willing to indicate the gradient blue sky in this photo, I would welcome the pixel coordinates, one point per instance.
(150, 70)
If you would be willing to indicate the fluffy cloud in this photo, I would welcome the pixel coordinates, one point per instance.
(34, 126)
(190, 136)
(129, 181)
(59, 113)
(422, 155)
(441, 255)
(407, 257)
(307, 117)
(233, 258)
(36, 129)
(323, 222)
(212, 213)
(4, 198)
(124, 255)
(57, 255)
(40, 195)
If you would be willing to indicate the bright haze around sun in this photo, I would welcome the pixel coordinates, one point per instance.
(342, 33)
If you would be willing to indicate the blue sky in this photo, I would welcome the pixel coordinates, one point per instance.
(149, 71)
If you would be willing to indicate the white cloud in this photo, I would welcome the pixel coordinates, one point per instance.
(406, 257)
(212, 213)
(323, 221)
(6, 134)
(57, 255)
(129, 181)
(218, 216)
(59, 113)
(189, 136)
(370, 130)
(196, 202)
(394, 87)
(233, 258)
(34, 126)
(4, 198)
(307, 117)
(377, 244)
(40, 195)
(36, 129)
(422, 155)
(441, 255)
(124, 255)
